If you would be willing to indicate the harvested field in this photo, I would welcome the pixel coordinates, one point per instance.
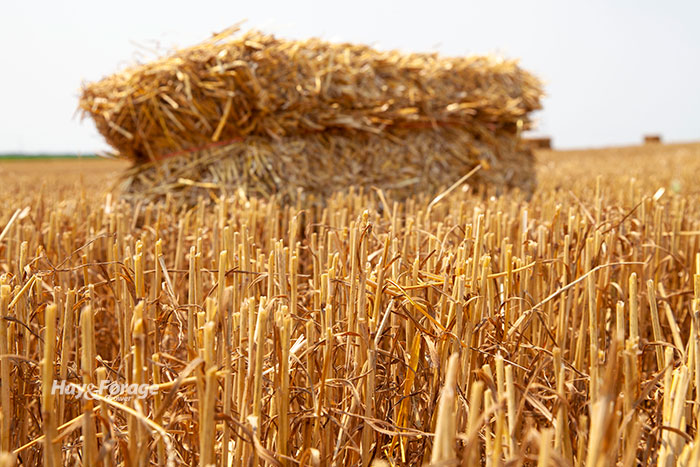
(463, 329)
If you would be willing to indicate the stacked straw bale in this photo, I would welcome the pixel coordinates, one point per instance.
(270, 117)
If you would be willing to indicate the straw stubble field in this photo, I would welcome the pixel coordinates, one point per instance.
(559, 330)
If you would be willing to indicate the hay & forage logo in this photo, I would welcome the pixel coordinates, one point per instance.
(113, 389)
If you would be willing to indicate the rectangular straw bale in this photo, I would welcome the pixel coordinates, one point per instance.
(233, 86)
(402, 162)
(271, 117)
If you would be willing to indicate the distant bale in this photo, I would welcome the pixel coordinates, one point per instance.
(540, 142)
(259, 109)
(652, 139)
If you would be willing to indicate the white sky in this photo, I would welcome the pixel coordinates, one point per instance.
(613, 70)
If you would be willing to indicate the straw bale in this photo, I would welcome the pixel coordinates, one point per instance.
(401, 162)
(241, 85)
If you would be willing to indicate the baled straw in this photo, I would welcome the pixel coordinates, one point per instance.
(321, 164)
(231, 87)
(270, 117)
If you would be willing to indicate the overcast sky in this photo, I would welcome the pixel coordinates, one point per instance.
(613, 70)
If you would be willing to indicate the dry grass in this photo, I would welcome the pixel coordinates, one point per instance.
(562, 330)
